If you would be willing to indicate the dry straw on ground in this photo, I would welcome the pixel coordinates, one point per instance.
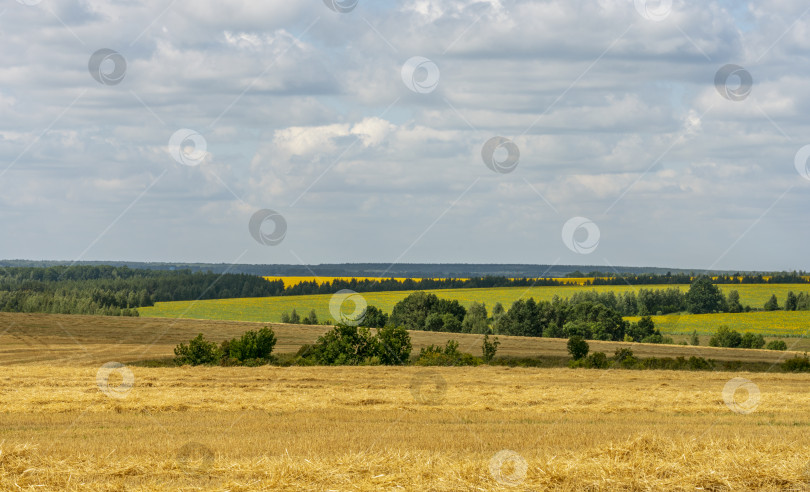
(363, 429)
(68, 423)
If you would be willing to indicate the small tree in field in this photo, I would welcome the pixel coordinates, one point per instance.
(252, 345)
(578, 347)
(489, 348)
(198, 351)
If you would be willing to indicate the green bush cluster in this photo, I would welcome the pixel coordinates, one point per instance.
(797, 364)
(726, 337)
(352, 345)
(252, 348)
(449, 355)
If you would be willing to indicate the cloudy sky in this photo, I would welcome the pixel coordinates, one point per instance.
(606, 132)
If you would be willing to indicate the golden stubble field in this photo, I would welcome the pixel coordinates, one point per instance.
(378, 428)
(67, 423)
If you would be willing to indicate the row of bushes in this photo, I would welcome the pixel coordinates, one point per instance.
(350, 345)
(343, 345)
(726, 337)
(252, 348)
(625, 359)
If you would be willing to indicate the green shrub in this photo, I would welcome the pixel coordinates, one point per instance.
(597, 360)
(448, 356)
(198, 351)
(699, 364)
(658, 338)
(622, 354)
(578, 347)
(776, 345)
(797, 364)
(752, 341)
(352, 345)
(252, 348)
(725, 337)
(344, 345)
(625, 358)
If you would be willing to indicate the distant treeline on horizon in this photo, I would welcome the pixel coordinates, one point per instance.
(119, 291)
(385, 270)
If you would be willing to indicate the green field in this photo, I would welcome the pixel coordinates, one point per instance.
(269, 309)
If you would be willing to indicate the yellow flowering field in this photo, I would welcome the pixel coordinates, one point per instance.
(293, 281)
(269, 309)
(778, 323)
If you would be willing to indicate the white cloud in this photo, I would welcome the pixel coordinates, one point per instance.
(304, 111)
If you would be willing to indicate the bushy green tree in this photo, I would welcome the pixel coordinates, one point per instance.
(413, 312)
(704, 297)
(522, 319)
(251, 346)
(434, 322)
(694, 339)
(578, 328)
(497, 311)
(374, 317)
(198, 351)
(578, 347)
(752, 341)
(772, 304)
(345, 345)
(394, 345)
(776, 345)
(450, 323)
(725, 337)
(803, 302)
(733, 304)
(476, 320)
(643, 329)
(791, 302)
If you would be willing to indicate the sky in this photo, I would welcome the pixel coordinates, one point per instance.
(602, 132)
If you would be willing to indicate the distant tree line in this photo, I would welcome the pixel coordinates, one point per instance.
(601, 278)
(117, 291)
(390, 284)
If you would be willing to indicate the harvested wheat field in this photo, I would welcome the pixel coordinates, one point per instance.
(70, 419)
(378, 428)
